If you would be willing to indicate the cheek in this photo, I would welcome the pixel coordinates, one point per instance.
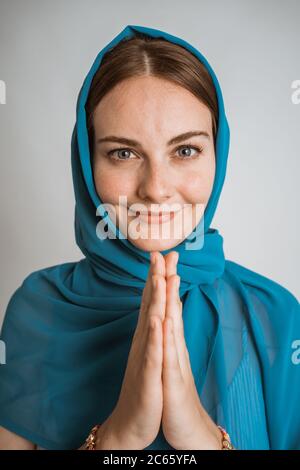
(111, 184)
(197, 184)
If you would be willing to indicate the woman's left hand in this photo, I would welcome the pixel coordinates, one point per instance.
(185, 423)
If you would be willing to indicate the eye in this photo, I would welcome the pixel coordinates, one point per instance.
(188, 156)
(122, 158)
(128, 151)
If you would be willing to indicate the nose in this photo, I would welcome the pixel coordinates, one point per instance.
(156, 184)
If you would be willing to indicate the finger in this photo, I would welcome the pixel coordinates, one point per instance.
(158, 299)
(157, 306)
(173, 298)
(173, 301)
(174, 311)
(160, 267)
(157, 266)
(171, 261)
(154, 351)
(147, 293)
(171, 368)
(153, 302)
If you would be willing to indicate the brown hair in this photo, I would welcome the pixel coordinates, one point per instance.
(145, 55)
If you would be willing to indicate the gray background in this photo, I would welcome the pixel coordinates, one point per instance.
(46, 50)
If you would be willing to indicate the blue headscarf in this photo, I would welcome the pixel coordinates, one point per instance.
(68, 328)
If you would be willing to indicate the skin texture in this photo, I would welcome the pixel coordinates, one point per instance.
(185, 423)
(11, 441)
(158, 385)
(152, 111)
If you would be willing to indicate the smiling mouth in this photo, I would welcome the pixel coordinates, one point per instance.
(153, 214)
(156, 217)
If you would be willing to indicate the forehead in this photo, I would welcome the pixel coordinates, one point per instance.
(150, 104)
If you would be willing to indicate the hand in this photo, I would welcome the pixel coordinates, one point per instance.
(136, 419)
(186, 424)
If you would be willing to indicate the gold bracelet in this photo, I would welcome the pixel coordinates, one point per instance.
(226, 441)
(91, 439)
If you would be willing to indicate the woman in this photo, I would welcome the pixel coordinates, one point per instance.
(100, 355)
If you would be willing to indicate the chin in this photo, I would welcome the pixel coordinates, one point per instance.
(154, 245)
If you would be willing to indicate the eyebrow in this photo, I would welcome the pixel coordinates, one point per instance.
(135, 143)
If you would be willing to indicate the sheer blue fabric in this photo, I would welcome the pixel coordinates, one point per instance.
(68, 328)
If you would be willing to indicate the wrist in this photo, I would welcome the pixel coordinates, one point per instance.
(105, 437)
(209, 439)
(110, 437)
(217, 439)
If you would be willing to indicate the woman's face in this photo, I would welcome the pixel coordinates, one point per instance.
(153, 172)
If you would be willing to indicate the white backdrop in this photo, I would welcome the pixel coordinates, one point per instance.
(46, 50)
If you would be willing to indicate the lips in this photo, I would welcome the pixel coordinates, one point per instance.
(156, 217)
(154, 214)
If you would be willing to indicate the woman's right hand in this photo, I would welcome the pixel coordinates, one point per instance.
(135, 421)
